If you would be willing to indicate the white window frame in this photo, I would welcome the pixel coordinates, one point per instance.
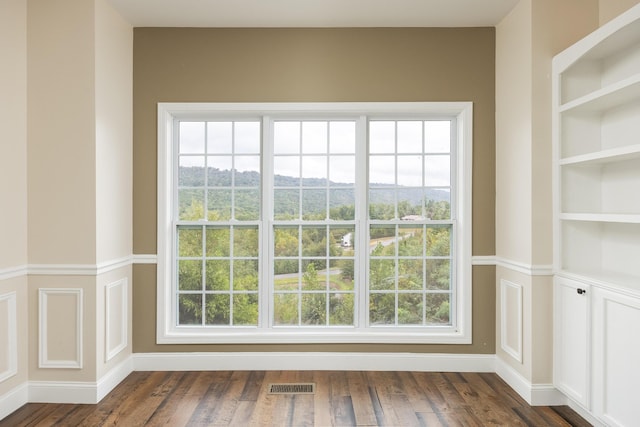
(166, 330)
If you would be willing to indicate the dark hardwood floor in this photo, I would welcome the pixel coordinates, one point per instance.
(240, 398)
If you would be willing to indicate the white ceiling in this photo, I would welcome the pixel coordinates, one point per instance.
(313, 13)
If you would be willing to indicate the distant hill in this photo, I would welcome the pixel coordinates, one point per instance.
(194, 176)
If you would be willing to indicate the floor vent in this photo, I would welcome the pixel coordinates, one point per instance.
(292, 388)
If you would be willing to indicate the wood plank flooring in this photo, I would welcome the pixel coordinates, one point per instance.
(240, 398)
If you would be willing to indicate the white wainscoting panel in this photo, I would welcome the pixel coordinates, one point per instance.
(116, 317)
(60, 328)
(8, 336)
(511, 319)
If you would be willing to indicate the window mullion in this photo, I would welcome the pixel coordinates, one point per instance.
(362, 227)
(266, 236)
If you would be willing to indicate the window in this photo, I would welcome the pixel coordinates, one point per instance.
(314, 223)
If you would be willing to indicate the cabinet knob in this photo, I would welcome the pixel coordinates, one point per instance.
(582, 291)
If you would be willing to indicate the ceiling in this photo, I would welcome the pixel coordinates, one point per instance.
(313, 13)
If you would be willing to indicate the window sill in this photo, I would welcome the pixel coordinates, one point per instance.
(445, 335)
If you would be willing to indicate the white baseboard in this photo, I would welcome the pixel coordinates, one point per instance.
(314, 361)
(79, 392)
(114, 377)
(534, 394)
(14, 399)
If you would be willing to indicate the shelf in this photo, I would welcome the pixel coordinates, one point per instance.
(601, 217)
(605, 156)
(611, 96)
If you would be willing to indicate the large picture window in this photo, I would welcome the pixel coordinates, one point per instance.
(314, 223)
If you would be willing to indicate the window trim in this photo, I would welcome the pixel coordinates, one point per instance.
(166, 333)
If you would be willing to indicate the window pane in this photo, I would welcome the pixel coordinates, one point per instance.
(286, 242)
(287, 277)
(410, 274)
(342, 170)
(191, 137)
(218, 275)
(438, 204)
(245, 309)
(410, 309)
(286, 171)
(286, 204)
(217, 307)
(314, 204)
(247, 137)
(342, 274)
(437, 136)
(341, 309)
(314, 137)
(191, 171)
(438, 274)
(247, 171)
(285, 309)
(314, 277)
(437, 171)
(410, 204)
(219, 137)
(341, 241)
(410, 241)
(286, 137)
(314, 171)
(382, 309)
(382, 204)
(439, 241)
(382, 274)
(382, 137)
(382, 241)
(219, 171)
(314, 241)
(191, 204)
(219, 205)
(342, 137)
(314, 309)
(245, 242)
(190, 309)
(245, 275)
(247, 204)
(190, 242)
(409, 137)
(382, 170)
(438, 309)
(218, 242)
(410, 171)
(342, 204)
(189, 275)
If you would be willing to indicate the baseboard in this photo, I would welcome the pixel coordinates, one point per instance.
(534, 394)
(114, 377)
(14, 399)
(314, 361)
(76, 391)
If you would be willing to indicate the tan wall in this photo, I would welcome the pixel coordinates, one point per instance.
(314, 65)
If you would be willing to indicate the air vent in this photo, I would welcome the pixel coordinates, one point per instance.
(292, 388)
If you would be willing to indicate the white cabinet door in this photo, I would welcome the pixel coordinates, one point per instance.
(616, 357)
(571, 367)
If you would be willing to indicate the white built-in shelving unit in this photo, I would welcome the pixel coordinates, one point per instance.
(596, 133)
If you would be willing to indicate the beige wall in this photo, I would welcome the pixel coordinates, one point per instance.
(526, 41)
(61, 152)
(113, 133)
(609, 9)
(13, 193)
(315, 65)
